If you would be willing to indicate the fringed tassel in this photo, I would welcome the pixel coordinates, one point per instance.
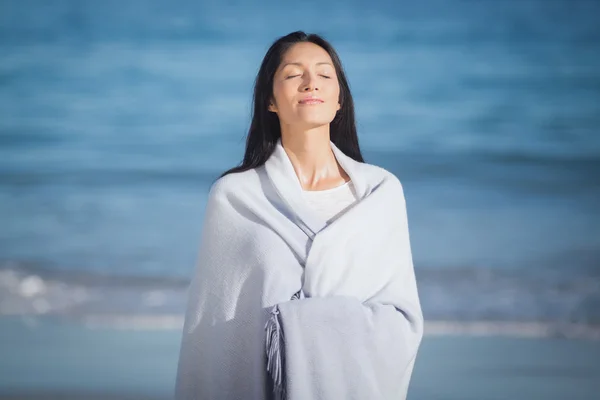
(275, 350)
(275, 353)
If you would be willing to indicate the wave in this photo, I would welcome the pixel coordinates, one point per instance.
(473, 301)
(26, 290)
(530, 329)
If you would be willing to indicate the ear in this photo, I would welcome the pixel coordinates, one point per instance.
(272, 107)
(339, 107)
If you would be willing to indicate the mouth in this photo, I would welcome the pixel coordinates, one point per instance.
(310, 100)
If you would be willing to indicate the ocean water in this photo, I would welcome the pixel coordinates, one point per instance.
(116, 117)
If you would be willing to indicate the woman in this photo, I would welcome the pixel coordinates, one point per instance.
(304, 287)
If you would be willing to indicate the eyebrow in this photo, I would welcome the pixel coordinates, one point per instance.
(300, 64)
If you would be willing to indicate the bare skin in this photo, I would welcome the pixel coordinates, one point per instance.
(307, 71)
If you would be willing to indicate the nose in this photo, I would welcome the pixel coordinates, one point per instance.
(310, 84)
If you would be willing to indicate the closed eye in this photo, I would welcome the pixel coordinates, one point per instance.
(294, 76)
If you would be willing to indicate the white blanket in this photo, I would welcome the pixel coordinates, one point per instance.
(356, 328)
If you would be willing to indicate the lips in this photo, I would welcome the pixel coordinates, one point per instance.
(311, 100)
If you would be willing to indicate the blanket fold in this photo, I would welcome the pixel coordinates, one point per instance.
(365, 323)
(324, 310)
(339, 348)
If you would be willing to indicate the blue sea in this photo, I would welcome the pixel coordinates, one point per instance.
(115, 118)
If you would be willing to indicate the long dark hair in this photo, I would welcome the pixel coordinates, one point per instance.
(265, 129)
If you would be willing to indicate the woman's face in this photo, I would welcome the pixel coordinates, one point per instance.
(305, 87)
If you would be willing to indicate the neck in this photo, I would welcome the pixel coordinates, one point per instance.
(312, 158)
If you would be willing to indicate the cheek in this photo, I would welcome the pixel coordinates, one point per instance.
(331, 90)
(336, 90)
(281, 94)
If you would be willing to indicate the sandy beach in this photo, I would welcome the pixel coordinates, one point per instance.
(63, 360)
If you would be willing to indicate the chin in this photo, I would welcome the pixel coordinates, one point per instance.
(311, 124)
(314, 121)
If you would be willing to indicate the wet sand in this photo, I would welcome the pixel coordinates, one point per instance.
(57, 360)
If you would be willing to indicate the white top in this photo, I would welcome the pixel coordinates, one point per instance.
(330, 203)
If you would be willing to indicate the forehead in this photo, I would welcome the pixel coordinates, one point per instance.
(305, 53)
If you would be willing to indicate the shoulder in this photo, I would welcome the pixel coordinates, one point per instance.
(224, 194)
(387, 181)
(381, 173)
(233, 183)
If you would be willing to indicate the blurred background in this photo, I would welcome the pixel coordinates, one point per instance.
(115, 118)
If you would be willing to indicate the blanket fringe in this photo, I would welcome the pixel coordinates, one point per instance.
(275, 353)
(275, 349)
